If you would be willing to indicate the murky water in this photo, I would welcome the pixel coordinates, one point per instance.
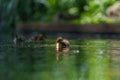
(86, 60)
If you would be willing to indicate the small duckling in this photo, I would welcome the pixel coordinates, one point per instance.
(62, 45)
(33, 38)
(18, 40)
(41, 38)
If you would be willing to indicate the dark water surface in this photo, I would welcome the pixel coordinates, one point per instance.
(86, 60)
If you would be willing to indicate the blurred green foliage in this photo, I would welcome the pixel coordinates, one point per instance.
(95, 12)
(86, 11)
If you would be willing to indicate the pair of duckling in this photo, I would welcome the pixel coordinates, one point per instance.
(39, 37)
(18, 40)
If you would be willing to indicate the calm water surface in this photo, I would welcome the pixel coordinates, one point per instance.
(86, 60)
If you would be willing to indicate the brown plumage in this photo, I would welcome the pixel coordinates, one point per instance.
(62, 45)
(18, 40)
(33, 38)
(41, 38)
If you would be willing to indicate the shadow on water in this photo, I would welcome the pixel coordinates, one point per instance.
(87, 61)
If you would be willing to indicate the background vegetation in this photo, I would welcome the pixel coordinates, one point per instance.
(67, 11)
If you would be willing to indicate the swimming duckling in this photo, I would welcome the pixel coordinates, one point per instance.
(41, 37)
(62, 45)
(33, 38)
(18, 40)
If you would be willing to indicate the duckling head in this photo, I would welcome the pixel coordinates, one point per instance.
(59, 39)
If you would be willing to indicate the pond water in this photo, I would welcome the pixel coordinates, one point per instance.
(86, 60)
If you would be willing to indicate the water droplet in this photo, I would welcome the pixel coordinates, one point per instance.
(76, 51)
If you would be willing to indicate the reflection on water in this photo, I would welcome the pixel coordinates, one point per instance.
(87, 61)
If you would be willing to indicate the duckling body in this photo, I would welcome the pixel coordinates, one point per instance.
(33, 38)
(62, 45)
(41, 38)
(62, 48)
(18, 40)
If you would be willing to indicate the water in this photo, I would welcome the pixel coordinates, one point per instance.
(86, 60)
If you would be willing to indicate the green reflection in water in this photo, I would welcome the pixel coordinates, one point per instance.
(97, 59)
(91, 63)
(87, 61)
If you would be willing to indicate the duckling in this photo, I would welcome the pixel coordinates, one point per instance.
(62, 45)
(41, 38)
(33, 38)
(18, 40)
